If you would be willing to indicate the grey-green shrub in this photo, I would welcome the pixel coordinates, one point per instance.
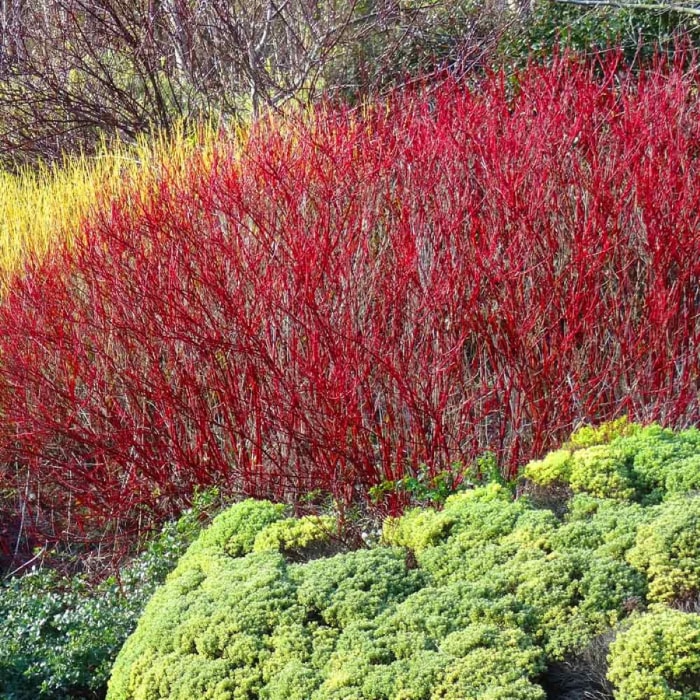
(59, 635)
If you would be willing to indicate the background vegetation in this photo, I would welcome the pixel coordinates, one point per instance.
(75, 72)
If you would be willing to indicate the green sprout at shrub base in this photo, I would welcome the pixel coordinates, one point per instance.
(433, 488)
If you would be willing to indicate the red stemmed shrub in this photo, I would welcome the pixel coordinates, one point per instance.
(333, 303)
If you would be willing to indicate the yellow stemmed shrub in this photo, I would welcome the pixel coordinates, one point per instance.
(41, 208)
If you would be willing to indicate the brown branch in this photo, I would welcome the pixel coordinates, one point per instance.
(654, 7)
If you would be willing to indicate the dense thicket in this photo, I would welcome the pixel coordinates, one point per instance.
(340, 300)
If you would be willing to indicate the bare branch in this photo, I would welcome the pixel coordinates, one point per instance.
(653, 7)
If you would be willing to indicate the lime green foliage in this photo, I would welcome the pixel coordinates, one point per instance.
(600, 470)
(479, 515)
(667, 550)
(233, 532)
(605, 526)
(603, 434)
(556, 466)
(364, 624)
(292, 534)
(664, 462)
(417, 529)
(251, 623)
(638, 463)
(657, 657)
(490, 662)
(471, 601)
(346, 589)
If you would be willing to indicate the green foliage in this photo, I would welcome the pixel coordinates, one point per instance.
(556, 26)
(422, 488)
(362, 624)
(484, 513)
(426, 488)
(664, 462)
(555, 467)
(417, 529)
(474, 600)
(252, 621)
(55, 639)
(657, 657)
(605, 526)
(637, 463)
(667, 550)
(59, 636)
(567, 597)
(588, 462)
(293, 534)
(491, 662)
(602, 471)
(603, 434)
(233, 532)
(478, 515)
(348, 588)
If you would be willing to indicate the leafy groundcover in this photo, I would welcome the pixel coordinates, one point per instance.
(585, 583)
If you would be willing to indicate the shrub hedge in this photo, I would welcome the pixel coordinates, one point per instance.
(365, 296)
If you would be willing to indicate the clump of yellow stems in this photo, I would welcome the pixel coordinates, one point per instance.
(41, 208)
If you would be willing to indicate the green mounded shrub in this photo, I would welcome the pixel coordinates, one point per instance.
(418, 529)
(601, 470)
(233, 532)
(603, 434)
(479, 515)
(603, 525)
(477, 600)
(490, 664)
(657, 657)
(667, 550)
(363, 624)
(293, 535)
(555, 467)
(636, 463)
(664, 462)
(571, 596)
